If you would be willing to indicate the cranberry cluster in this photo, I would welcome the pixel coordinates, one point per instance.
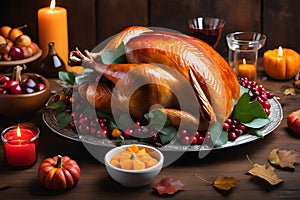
(28, 85)
(259, 93)
(234, 129)
(187, 137)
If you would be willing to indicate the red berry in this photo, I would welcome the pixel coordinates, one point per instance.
(200, 140)
(226, 126)
(183, 133)
(197, 134)
(232, 136)
(128, 132)
(229, 121)
(266, 104)
(186, 140)
(242, 127)
(267, 111)
(270, 95)
(194, 140)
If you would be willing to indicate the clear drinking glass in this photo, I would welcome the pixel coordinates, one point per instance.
(243, 52)
(207, 29)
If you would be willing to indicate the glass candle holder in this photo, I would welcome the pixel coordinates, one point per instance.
(20, 145)
(243, 52)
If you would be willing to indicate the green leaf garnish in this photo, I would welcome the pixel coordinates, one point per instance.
(257, 123)
(67, 77)
(218, 135)
(85, 76)
(63, 119)
(57, 105)
(157, 118)
(256, 132)
(246, 111)
(116, 57)
(166, 134)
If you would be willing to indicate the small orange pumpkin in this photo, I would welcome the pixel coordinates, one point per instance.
(281, 63)
(59, 173)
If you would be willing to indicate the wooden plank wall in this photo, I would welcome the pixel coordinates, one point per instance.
(92, 21)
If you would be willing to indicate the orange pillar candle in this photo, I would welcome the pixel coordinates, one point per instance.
(247, 70)
(281, 63)
(53, 27)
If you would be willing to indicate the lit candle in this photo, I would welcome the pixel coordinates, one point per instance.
(281, 63)
(247, 70)
(20, 145)
(53, 27)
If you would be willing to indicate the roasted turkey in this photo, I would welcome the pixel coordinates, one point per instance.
(162, 68)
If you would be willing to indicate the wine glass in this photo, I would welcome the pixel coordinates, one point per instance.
(207, 29)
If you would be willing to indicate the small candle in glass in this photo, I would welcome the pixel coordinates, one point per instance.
(20, 145)
(247, 70)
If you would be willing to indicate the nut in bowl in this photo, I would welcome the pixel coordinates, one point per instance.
(23, 97)
(133, 165)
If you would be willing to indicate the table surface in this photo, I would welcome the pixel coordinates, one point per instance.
(96, 183)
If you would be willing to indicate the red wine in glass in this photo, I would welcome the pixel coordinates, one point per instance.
(207, 29)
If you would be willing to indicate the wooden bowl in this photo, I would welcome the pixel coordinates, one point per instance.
(24, 104)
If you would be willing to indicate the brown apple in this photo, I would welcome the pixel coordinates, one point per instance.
(14, 33)
(27, 52)
(23, 41)
(4, 31)
(293, 121)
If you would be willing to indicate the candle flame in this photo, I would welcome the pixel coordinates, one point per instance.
(244, 61)
(52, 5)
(18, 132)
(280, 51)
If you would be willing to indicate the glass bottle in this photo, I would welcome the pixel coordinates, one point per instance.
(52, 63)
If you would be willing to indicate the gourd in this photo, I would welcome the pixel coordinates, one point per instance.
(59, 173)
(281, 67)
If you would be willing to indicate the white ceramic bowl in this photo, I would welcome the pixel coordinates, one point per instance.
(134, 178)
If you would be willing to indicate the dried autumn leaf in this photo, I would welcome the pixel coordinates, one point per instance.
(265, 172)
(225, 183)
(169, 186)
(282, 158)
(290, 91)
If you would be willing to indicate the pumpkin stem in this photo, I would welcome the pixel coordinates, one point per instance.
(59, 161)
(133, 156)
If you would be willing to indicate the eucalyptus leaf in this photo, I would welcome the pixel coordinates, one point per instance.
(85, 76)
(63, 119)
(57, 105)
(116, 57)
(166, 134)
(218, 135)
(243, 90)
(125, 121)
(157, 118)
(257, 123)
(68, 77)
(256, 132)
(246, 111)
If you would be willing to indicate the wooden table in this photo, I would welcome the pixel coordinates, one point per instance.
(96, 184)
